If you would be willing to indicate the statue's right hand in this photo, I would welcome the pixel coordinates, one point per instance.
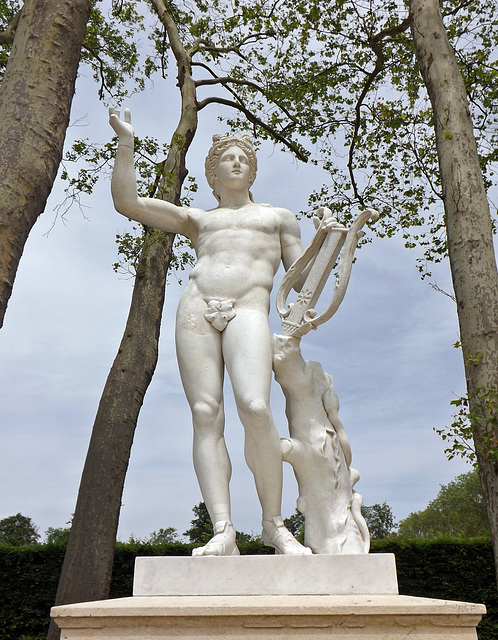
(123, 128)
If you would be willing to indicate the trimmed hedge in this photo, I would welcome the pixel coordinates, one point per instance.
(449, 570)
(446, 569)
(29, 577)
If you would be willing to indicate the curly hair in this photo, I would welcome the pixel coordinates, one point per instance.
(220, 144)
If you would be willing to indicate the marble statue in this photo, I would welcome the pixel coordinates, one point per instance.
(222, 323)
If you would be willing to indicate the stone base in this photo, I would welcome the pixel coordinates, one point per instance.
(268, 598)
(295, 617)
(266, 575)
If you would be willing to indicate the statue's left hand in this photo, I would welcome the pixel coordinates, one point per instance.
(325, 220)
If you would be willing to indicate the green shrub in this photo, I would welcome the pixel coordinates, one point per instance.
(445, 569)
(448, 569)
(27, 589)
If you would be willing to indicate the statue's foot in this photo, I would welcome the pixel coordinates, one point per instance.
(276, 535)
(222, 543)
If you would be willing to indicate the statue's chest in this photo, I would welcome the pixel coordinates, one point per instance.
(255, 221)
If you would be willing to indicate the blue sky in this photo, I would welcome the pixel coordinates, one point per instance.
(388, 348)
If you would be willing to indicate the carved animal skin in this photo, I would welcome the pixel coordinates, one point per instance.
(319, 451)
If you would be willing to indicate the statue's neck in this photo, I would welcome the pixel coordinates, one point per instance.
(234, 199)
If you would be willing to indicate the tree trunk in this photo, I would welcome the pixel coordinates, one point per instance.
(35, 101)
(87, 568)
(469, 236)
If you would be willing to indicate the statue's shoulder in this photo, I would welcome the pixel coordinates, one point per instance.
(280, 211)
(288, 220)
(193, 213)
(271, 206)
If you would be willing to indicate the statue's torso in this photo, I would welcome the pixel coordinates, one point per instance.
(238, 253)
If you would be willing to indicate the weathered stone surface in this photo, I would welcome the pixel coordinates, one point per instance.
(372, 617)
(266, 575)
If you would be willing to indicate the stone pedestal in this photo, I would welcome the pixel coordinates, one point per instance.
(266, 575)
(205, 613)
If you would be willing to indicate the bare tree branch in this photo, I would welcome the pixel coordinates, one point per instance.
(7, 36)
(103, 86)
(435, 286)
(404, 25)
(181, 56)
(377, 70)
(423, 169)
(250, 38)
(255, 120)
(226, 81)
(456, 9)
(379, 66)
(184, 65)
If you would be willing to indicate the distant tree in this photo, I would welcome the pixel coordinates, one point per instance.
(379, 517)
(380, 520)
(18, 530)
(295, 524)
(240, 536)
(163, 536)
(201, 527)
(57, 535)
(458, 510)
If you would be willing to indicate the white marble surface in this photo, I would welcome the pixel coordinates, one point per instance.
(222, 322)
(319, 451)
(265, 575)
(369, 617)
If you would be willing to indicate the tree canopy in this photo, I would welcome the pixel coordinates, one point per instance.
(201, 527)
(336, 81)
(380, 520)
(458, 510)
(167, 535)
(57, 535)
(18, 530)
(295, 524)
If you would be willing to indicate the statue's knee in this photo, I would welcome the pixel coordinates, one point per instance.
(205, 413)
(255, 413)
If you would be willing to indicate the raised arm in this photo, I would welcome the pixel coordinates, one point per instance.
(152, 212)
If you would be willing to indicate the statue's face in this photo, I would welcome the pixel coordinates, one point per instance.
(233, 171)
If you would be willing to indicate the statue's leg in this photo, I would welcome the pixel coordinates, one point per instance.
(247, 354)
(201, 369)
(247, 351)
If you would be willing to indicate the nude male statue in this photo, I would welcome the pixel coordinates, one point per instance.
(222, 321)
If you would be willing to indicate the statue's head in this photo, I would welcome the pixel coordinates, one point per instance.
(222, 143)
